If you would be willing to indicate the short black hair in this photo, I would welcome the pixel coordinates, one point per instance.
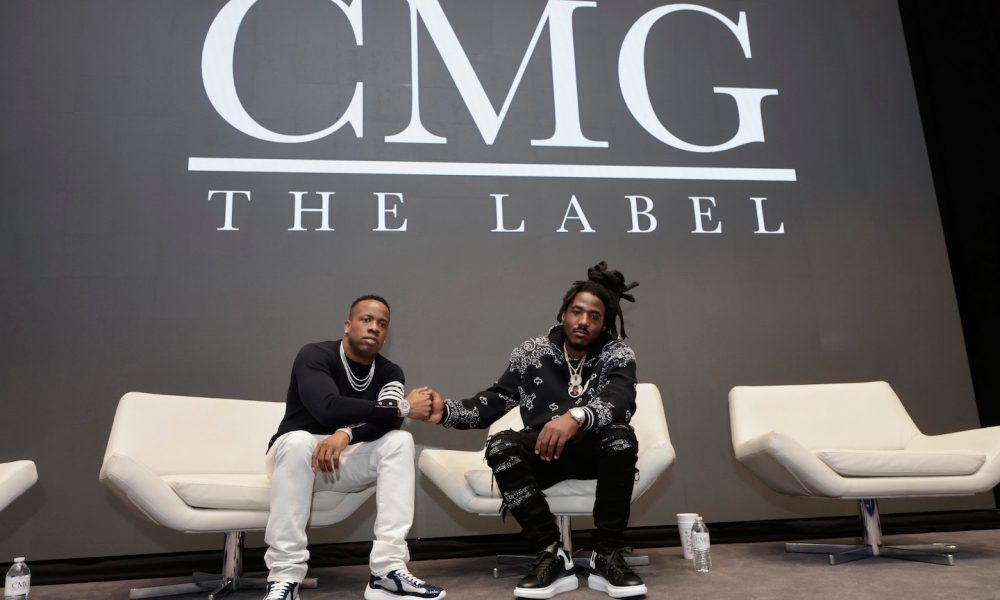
(610, 287)
(368, 297)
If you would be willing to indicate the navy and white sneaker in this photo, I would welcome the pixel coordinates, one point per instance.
(552, 572)
(282, 590)
(401, 584)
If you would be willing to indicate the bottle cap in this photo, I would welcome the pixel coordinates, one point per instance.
(19, 559)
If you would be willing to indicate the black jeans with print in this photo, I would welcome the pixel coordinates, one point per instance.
(608, 455)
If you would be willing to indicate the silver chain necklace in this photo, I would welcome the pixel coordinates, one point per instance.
(356, 382)
(576, 387)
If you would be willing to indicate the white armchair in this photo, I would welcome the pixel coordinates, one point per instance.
(856, 441)
(464, 477)
(15, 479)
(197, 465)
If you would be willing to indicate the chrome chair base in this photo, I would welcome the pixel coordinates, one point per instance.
(217, 586)
(837, 554)
(871, 546)
(213, 584)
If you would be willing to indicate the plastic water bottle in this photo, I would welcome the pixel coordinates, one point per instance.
(701, 546)
(18, 581)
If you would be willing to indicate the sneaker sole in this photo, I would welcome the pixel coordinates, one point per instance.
(565, 583)
(374, 594)
(596, 582)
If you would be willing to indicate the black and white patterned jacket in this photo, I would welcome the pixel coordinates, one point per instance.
(537, 380)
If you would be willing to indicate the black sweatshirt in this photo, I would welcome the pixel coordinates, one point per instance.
(321, 400)
(537, 380)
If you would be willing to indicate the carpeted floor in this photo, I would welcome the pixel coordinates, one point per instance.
(741, 572)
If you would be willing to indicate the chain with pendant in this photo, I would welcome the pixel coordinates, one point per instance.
(576, 387)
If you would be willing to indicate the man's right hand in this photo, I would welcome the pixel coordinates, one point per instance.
(420, 403)
(437, 408)
(326, 455)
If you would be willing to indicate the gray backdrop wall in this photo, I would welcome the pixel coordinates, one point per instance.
(796, 235)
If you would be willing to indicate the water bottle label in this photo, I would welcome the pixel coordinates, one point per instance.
(17, 586)
(699, 541)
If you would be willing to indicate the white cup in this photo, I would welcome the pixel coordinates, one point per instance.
(685, 521)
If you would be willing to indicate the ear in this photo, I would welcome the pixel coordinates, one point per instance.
(347, 326)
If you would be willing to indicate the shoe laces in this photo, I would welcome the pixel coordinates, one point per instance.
(545, 560)
(410, 578)
(278, 590)
(617, 563)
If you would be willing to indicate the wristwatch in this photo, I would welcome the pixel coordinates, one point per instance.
(579, 415)
(401, 405)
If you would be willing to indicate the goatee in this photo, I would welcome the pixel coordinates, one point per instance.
(574, 346)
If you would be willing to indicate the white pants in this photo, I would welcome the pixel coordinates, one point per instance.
(387, 463)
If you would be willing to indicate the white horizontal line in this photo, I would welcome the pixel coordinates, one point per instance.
(464, 169)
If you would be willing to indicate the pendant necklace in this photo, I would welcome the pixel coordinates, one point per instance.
(358, 383)
(576, 387)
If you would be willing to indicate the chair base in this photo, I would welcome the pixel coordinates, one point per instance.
(213, 584)
(871, 546)
(217, 586)
(566, 534)
(939, 553)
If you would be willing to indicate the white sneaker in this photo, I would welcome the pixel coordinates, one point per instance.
(401, 584)
(282, 590)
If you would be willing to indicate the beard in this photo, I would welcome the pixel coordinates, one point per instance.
(574, 346)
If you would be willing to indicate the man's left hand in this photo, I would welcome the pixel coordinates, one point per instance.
(554, 436)
(437, 408)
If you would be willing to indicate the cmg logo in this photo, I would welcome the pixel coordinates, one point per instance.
(556, 22)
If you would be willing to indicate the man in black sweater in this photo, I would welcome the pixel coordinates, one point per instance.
(575, 388)
(341, 433)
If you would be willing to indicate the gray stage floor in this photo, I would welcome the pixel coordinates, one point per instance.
(742, 572)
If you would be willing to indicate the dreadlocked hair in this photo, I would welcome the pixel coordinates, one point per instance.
(610, 287)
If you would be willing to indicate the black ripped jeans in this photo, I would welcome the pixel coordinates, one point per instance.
(608, 456)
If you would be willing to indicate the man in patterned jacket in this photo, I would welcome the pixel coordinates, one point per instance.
(576, 390)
